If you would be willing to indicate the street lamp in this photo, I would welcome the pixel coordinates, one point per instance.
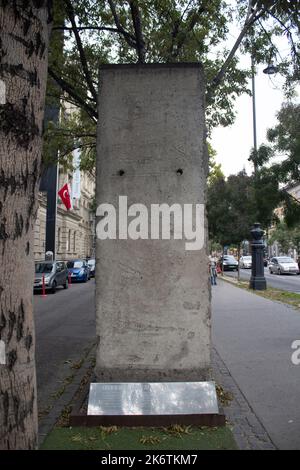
(271, 69)
(257, 280)
(254, 111)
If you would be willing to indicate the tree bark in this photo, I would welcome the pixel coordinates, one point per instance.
(24, 38)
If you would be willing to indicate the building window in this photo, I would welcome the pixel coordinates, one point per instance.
(74, 241)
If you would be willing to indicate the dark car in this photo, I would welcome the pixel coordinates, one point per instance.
(55, 274)
(228, 262)
(92, 264)
(78, 270)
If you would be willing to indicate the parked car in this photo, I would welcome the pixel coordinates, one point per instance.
(229, 263)
(79, 270)
(283, 265)
(92, 264)
(55, 273)
(246, 262)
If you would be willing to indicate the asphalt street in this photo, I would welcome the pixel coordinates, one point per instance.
(253, 336)
(65, 331)
(288, 282)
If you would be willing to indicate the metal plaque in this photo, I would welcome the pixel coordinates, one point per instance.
(164, 398)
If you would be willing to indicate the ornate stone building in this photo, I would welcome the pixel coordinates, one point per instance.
(74, 228)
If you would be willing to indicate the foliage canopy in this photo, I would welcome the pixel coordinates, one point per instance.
(107, 31)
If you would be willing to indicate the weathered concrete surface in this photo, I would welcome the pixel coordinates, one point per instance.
(152, 296)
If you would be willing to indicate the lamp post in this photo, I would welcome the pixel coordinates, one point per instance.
(254, 112)
(257, 280)
(270, 70)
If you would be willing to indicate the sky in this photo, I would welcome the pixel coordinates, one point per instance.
(233, 144)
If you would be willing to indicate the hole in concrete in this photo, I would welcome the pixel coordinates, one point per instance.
(179, 171)
(121, 172)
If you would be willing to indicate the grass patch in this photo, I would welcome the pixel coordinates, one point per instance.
(271, 293)
(289, 298)
(114, 438)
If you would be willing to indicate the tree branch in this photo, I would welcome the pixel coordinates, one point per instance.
(137, 23)
(190, 26)
(78, 146)
(186, 9)
(128, 37)
(69, 132)
(286, 29)
(251, 17)
(90, 28)
(269, 38)
(71, 14)
(72, 92)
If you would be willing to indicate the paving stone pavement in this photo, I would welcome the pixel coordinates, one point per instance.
(248, 431)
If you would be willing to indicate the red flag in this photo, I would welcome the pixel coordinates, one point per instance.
(64, 194)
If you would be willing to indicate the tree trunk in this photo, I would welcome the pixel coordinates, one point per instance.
(24, 37)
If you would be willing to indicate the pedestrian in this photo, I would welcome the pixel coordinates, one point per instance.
(213, 272)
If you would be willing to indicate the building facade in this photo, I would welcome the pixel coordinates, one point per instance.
(75, 228)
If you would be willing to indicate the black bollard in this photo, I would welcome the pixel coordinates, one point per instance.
(257, 280)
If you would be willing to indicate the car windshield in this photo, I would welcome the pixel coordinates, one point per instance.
(247, 258)
(229, 258)
(285, 260)
(75, 264)
(43, 268)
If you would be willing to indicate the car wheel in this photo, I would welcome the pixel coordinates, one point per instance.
(53, 288)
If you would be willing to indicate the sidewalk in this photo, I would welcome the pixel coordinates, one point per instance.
(252, 337)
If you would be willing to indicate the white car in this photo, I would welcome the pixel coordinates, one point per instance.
(246, 262)
(283, 265)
